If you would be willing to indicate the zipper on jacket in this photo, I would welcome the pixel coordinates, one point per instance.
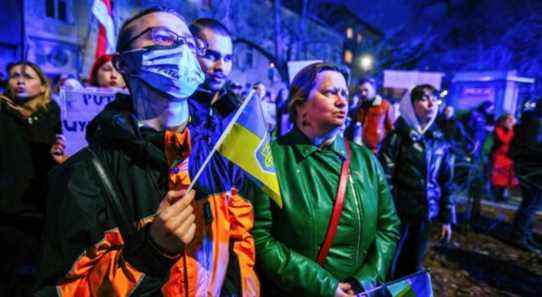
(358, 216)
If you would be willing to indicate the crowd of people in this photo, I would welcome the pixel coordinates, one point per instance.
(363, 181)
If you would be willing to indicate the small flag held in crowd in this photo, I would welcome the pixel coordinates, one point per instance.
(245, 142)
(414, 285)
(247, 145)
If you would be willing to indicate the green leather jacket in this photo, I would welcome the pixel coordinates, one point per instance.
(288, 239)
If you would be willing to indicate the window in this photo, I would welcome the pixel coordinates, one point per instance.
(58, 9)
(50, 8)
(359, 38)
(348, 57)
(349, 33)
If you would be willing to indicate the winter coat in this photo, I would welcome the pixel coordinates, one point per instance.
(419, 169)
(25, 158)
(289, 239)
(502, 173)
(526, 148)
(376, 118)
(86, 254)
(228, 268)
(454, 132)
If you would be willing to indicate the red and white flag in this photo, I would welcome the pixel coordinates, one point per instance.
(106, 41)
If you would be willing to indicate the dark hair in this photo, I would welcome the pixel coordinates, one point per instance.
(207, 23)
(303, 83)
(503, 117)
(369, 80)
(125, 35)
(418, 91)
(484, 106)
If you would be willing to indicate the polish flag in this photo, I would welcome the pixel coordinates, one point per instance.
(106, 41)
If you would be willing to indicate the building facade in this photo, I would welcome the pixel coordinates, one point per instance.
(60, 35)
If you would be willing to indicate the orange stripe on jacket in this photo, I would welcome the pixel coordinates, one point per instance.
(232, 220)
(101, 271)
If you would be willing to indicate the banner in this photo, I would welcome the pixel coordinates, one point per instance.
(79, 107)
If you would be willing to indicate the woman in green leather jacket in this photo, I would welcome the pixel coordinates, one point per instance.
(308, 161)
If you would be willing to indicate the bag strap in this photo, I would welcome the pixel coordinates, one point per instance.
(337, 208)
(126, 228)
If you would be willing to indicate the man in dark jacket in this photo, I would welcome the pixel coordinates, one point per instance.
(100, 245)
(222, 187)
(526, 150)
(454, 132)
(417, 160)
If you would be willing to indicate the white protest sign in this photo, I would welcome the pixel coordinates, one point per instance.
(295, 66)
(79, 107)
(405, 79)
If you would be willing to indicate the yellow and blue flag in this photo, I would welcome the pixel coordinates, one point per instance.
(415, 285)
(247, 144)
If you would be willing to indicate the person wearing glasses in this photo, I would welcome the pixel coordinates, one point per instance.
(128, 229)
(418, 163)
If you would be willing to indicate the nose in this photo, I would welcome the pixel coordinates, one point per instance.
(218, 65)
(341, 101)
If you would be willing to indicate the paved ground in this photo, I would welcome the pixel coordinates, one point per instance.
(482, 263)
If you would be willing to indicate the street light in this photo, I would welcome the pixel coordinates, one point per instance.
(366, 62)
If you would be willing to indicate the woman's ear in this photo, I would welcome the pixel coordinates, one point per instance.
(301, 111)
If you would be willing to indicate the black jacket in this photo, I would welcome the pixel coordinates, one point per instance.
(526, 149)
(455, 133)
(80, 223)
(24, 156)
(420, 172)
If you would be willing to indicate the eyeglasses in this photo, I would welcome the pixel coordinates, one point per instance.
(164, 37)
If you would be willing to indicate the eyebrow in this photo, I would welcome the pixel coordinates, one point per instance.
(216, 53)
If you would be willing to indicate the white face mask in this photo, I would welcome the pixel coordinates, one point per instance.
(174, 71)
(171, 74)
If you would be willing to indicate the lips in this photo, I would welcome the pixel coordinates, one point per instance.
(216, 78)
(340, 114)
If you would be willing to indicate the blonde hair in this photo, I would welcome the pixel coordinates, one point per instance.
(38, 102)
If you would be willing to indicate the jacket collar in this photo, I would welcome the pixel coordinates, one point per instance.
(305, 148)
(116, 125)
(404, 129)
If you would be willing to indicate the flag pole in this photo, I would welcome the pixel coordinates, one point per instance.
(220, 140)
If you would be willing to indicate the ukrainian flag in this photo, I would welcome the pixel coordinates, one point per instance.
(247, 144)
(414, 285)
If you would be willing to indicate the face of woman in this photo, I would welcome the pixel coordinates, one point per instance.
(427, 106)
(25, 82)
(108, 77)
(509, 122)
(327, 104)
